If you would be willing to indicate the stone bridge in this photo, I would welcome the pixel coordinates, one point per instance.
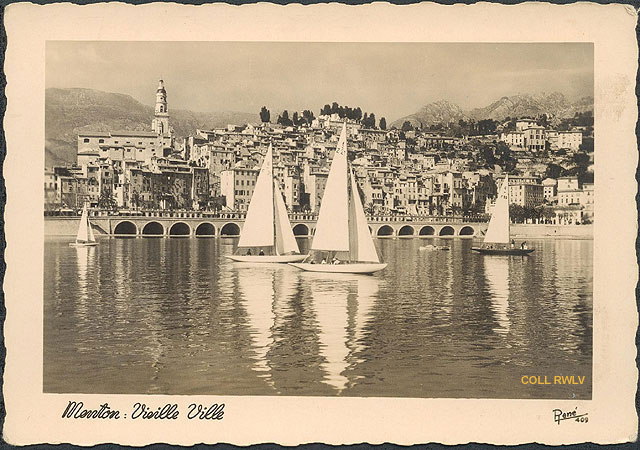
(190, 224)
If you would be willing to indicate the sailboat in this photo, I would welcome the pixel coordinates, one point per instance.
(267, 225)
(85, 237)
(497, 239)
(342, 230)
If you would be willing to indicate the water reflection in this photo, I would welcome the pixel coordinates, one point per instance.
(342, 308)
(174, 316)
(496, 270)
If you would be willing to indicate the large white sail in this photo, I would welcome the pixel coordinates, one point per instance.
(498, 230)
(258, 230)
(361, 243)
(285, 240)
(83, 228)
(332, 228)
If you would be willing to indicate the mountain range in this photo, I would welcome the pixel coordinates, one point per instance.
(521, 105)
(72, 111)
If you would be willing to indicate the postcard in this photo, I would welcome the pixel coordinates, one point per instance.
(326, 223)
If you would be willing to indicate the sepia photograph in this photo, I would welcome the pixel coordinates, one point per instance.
(324, 223)
(343, 219)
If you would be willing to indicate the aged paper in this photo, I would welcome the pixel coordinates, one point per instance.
(42, 409)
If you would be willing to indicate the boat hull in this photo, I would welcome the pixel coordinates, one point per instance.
(341, 268)
(267, 258)
(503, 251)
(83, 244)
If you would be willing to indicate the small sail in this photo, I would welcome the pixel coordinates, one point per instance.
(92, 237)
(258, 230)
(285, 240)
(332, 228)
(361, 242)
(498, 230)
(83, 228)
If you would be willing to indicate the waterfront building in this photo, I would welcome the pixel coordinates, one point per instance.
(237, 186)
(550, 186)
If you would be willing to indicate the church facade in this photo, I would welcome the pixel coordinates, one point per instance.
(140, 146)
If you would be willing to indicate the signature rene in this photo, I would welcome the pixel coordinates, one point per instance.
(559, 416)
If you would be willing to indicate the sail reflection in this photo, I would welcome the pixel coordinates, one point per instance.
(341, 322)
(496, 271)
(84, 261)
(256, 283)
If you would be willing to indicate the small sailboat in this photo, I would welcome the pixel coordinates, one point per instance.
(267, 229)
(85, 236)
(497, 240)
(342, 232)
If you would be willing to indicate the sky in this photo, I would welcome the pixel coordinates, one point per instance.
(390, 79)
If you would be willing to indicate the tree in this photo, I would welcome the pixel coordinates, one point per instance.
(487, 126)
(334, 108)
(295, 118)
(106, 200)
(372, 120)
(265, 115)
(307, 116)
(284, 119)
(383, 123)
(326, 110)
(553, 171)
(406, 126)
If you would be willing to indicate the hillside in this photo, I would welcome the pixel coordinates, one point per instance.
(72, 111)
(523, 105)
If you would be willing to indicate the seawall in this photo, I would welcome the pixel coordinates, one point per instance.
(535, 231)
(68, 226)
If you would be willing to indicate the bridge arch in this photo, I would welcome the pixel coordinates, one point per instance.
(385, 230)
(180, 229)
(446, 231)
(125, 228)
(230, 229)
(406, 230)
(427, 230)
(301, 230)
(205, 229)
(153, 228)
(467, 231)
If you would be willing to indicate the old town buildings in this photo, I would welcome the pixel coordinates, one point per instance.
(410, 172)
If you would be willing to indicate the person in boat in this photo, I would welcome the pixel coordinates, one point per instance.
(249, 252)
(324, 261)
(261, 252)
(335, 260)
(513, 243)
(523, 246)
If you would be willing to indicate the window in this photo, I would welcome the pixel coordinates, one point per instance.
(100, 141)
(86, 140)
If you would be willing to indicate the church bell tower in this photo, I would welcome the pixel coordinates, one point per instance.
(160, 123)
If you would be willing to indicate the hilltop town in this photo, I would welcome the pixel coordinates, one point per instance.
(410, 169)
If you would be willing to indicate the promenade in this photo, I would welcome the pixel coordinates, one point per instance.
(212, 224)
